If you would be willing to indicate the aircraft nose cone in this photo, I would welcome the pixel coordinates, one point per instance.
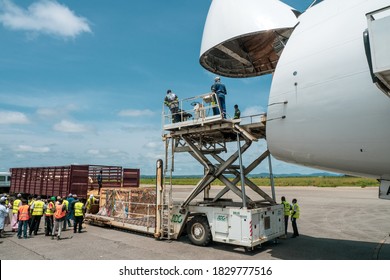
(244, 38)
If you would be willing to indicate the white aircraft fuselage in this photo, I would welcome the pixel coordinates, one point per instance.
(324, 109)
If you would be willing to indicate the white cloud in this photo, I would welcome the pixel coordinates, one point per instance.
(93, 152)
(47, 112)
(136, 113)
(9, 117)
(71, 127)
(27, 148)
(44, 16)
(153, 145)
(56, 111)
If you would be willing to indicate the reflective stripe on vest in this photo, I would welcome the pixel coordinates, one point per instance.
(38, 208)
(59, 213)
(287, 208)
(50, 209)
(66, 203)
(295, 208)
(15, 206)
(23, 213)
(78, 209)
(90, 201)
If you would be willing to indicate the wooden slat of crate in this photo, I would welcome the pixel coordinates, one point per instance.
(137, 199)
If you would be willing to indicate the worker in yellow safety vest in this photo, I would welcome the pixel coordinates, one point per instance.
(91, 200)
(66, 203)
(49, 213)
(287, 209)
(15, 207)
(79, 210)
(36, 210)
(295, 212)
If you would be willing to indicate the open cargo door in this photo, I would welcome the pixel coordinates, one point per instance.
(378, 23)
(245, 38)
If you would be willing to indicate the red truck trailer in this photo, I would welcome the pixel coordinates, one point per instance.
(75, 179)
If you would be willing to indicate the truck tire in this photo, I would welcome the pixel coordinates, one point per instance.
(199, 231)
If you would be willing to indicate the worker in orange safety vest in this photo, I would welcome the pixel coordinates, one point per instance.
(59, 217)
(23, 216)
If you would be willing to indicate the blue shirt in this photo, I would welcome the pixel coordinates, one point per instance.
(219, 88)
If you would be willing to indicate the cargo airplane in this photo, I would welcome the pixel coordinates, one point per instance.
(329, 102)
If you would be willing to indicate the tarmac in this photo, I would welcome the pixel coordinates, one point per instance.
(343, 223)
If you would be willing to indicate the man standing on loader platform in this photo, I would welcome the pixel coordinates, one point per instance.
(237, 112)
(172, 102)
(220, 91)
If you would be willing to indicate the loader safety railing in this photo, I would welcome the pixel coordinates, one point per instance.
(195, 110)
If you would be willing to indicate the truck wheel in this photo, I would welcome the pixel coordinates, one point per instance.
(198, 230)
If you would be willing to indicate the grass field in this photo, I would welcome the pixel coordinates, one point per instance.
(287, 181)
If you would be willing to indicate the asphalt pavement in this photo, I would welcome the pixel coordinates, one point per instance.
(344, 223)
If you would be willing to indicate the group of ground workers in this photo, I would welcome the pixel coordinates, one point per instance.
(58, 213)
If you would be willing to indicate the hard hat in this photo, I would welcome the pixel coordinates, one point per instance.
(19, 195)
(70, 194)
(75, 195)
(91, 196)
(217, 78)
(53, 198)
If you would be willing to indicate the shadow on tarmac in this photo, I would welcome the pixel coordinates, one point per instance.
(311, 248)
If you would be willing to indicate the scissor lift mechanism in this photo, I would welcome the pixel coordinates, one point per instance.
(210, 140)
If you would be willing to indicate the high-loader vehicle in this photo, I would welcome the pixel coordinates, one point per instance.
(239, 213)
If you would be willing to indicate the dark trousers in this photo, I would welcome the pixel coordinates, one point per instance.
(24, 225)
(78, 221)
(175, 114)
(216, 109)
(285, 224)
(294, 225)
(36, 220)
(49, 224)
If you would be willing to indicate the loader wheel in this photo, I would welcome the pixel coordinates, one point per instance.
(198, 230)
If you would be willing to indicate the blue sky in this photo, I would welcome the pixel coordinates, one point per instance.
(82, 82)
